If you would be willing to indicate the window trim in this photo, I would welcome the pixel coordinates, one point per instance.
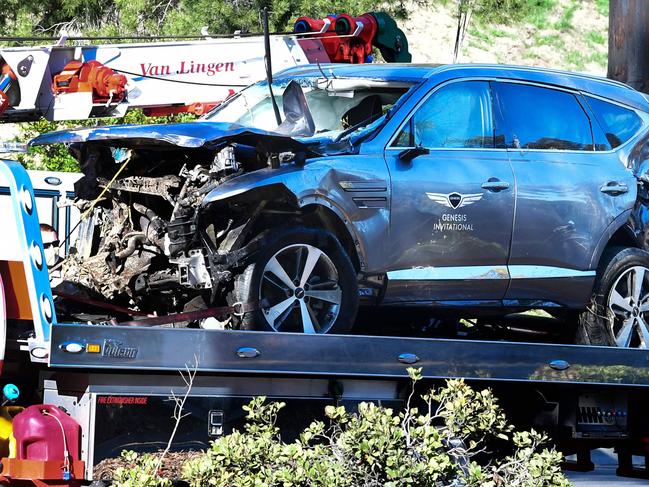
(644, 117)
(592, 119)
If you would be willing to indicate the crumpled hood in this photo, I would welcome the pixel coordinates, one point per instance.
(186, 135)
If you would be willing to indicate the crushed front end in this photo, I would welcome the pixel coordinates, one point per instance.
(142, 243)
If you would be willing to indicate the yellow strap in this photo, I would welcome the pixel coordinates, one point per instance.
(98, 198)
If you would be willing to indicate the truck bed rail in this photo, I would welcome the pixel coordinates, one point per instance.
(247, 352)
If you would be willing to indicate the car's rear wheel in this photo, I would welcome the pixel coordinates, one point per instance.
(618, 314)
(305, 283)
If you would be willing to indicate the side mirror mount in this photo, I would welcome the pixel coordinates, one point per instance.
(408, 155)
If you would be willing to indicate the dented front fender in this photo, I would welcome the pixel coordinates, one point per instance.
(354, 187)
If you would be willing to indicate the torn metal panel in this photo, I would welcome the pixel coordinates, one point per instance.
(191, 135)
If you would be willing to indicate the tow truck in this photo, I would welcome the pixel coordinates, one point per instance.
(117, 382)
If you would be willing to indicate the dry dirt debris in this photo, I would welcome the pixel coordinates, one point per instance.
(572, 35)
(171, 465)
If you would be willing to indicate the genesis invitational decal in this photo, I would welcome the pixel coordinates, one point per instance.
(458, 222)
(454, 200)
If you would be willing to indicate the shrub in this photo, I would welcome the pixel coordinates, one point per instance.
(453, 439)
(139, 472)
(505, 11)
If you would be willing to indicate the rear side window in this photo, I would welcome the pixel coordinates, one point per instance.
(619, 123)
(543, 118)
(458, 115)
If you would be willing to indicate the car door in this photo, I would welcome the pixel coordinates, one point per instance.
(570, 188)
(451, 208)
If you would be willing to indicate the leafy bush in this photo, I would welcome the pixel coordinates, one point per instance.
(140, 472)
(453, 440)
(504, 11)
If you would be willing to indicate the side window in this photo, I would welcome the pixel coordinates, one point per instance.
(458, 115)
(619, 123)
(543, 118)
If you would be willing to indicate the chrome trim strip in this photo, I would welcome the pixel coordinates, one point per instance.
(371, 202)
(545, 272)
(374, 185)
(449, 273)
(473, 149)
(462, 273)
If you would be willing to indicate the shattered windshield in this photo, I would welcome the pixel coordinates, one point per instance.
(334, 104)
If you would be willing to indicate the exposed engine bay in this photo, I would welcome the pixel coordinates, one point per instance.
(140, 244)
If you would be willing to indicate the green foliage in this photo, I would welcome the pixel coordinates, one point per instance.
(56, 157)
(488, 14)
(594, 37)
(504, 11)
(50, 158)
(567, 16)
(448, 442)
(140, 472)
(554, 40)
(577, 59)
(169, 17)
(602, 6)
(529, 465)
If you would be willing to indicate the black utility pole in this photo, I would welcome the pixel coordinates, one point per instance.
(628, 43)
(269, 65)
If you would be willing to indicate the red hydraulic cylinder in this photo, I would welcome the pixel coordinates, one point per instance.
(345, 39)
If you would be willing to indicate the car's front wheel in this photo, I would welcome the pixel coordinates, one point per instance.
(618, 314)
(305, 282)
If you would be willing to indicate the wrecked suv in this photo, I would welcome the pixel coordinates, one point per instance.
(475, 189)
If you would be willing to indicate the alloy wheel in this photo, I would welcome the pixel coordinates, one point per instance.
(628, 303)
(300, 288)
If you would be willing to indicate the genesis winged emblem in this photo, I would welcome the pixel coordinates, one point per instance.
(454, 200)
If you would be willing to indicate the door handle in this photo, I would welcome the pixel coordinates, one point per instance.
(614, 188)
(495, 185)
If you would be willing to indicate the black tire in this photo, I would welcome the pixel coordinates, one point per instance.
(248, 286)
(602, 322)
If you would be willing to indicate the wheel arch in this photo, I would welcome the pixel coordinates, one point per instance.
(618, 234)
(321, 216)
(312, 210)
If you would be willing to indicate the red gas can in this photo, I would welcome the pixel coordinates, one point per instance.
(39, 431)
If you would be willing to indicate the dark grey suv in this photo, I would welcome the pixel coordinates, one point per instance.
(479, 189)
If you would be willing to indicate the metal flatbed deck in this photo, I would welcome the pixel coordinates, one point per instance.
(140, 349)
